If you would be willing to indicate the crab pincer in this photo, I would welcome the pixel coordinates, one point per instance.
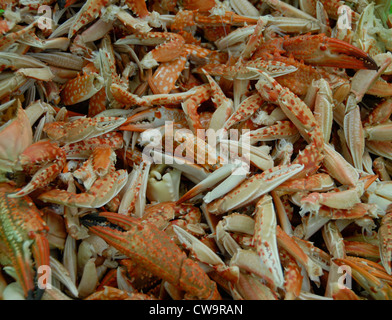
(324, 51)
(145, 244)
(21, 230)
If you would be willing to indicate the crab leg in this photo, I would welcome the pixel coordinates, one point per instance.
(380, 113)
(224, 105)
(101, 192)
(166, 75)
(139, 241)
(211, 180)
(317, 182)
(339, 200)
(292, 275)
(338, 167)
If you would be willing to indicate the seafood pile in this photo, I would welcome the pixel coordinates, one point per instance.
(235, 150)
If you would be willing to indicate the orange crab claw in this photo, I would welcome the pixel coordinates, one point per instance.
(325, 51)
(153, 118)
(138, 7)
(145, 244)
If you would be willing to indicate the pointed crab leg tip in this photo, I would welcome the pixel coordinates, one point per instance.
(368, 180)
(184, 198)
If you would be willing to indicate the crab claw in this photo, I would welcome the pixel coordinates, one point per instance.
(101, 192)
(81, 129)
(154, 250)
(152, 118)
(377, 288)
(324, 51)
(48, 157)
(22, 231)
(253, 188)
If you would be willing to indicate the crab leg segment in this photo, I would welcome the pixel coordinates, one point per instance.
(101, 192)
(166, 75)
(154, 250)
(317, 182)
(229, 17)
(191, 105)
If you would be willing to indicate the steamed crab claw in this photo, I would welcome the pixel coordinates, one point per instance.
(224, 172)
(265, 238)
(44, 160)
(15, 136)
(100, 179)
(82, 128)
(300, 115)
(22, 231)
(151, 248)
(204, 254)
(324, 51)
(385, 243)
(101, 192)
(253, 188)
(374, 286)
(153, 118)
